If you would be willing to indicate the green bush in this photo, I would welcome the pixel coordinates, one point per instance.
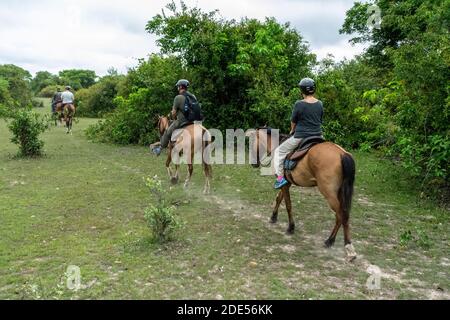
(26, 126)
(37, 103)
(49, 91)
(160, 217)
(150, 93)
(419, 237)
(98, 100)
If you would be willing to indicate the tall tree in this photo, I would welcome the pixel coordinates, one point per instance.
(43, 79)
(18, 81)
(78, 79)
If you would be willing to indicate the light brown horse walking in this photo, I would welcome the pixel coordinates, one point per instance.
(186, 141)
(332, 169)
(69, 113)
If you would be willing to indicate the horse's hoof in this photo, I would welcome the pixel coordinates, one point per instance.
(328, 243)
(274, 219)
(350, 253)
(290, 230)
(174, 181)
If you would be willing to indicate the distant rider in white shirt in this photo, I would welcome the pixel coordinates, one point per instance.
(67, 97)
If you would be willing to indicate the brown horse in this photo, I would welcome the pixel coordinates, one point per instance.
(69, 113)
(332, 169)
(185, 140)
(262, 143)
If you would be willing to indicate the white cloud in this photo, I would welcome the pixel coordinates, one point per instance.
(56, 35)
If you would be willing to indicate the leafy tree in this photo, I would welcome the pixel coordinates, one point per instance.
(18, 81)
(412, 48)
(5, 96)
(244, 71)
(78, 79)
(43, 79)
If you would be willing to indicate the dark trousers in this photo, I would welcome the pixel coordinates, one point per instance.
(165, 139)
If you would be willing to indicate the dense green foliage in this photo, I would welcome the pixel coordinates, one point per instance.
(407, 113)
(44, 84)
(243, 72)
(147, 93)
(49, 91)
(14, 86)
(43, 79)
(77, 79)
(98, 99)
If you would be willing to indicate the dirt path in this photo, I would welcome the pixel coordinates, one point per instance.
(335, 256)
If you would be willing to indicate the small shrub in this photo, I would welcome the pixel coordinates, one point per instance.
(405, 238)
(26, 126)
(38, 103)
(419, 237)
(49, 91)
(160, 217)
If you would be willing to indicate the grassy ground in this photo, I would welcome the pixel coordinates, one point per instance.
(82, 204)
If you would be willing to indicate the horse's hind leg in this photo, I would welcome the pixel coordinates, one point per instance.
(207, 169)
(176, 177)
(189, 176)
(330, 241)
(279, 199)
(333, 202)
(287, 200)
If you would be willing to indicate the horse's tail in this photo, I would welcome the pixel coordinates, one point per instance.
(346, 189)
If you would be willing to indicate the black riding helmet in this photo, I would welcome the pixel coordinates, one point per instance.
(183, 83)
(307, 86)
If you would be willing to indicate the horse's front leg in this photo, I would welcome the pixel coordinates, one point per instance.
(168, 162)
(278, 201)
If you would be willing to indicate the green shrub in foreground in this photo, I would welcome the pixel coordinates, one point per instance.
(160, 217)
(26, 126)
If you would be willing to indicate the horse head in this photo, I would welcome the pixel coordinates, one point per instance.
(163, 124)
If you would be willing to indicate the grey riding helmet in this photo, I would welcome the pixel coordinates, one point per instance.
(183, 83)
(307, 86)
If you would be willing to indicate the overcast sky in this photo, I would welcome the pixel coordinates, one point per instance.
(55, 35)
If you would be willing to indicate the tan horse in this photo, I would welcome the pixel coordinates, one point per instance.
(69, 113)
(332, 169)
(262, 144)
(185, 140)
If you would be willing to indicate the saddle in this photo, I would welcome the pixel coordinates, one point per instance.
(302, 150)
(178, 132)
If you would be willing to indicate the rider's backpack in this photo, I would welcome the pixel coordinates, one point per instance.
(192, 109)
